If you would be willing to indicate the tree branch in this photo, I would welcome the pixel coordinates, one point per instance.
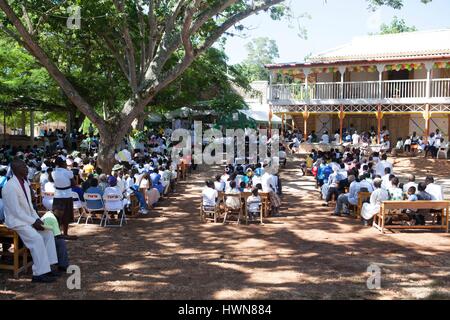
(129, 47)
(35, 50)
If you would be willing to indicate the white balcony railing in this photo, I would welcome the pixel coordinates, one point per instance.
(404, 89)
(391, 89)
(440, 88)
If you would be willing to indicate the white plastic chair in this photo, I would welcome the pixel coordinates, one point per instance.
(89, 198)
(47, 200)
(78, 205)
(110, 203)
(443, 150)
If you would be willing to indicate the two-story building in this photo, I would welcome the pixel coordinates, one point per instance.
(401, 81)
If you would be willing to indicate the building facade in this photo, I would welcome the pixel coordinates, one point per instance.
(400, 81)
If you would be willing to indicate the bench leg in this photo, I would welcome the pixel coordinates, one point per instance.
(16, 256)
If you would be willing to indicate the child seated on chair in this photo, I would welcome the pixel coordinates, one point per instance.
(51, 222)
(254, 204)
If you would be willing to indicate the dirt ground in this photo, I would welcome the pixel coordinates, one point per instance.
(307, 254)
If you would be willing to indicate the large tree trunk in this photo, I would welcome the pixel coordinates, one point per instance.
(111, 136)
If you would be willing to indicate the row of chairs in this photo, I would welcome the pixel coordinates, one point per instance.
(87, 209)
(222, 211)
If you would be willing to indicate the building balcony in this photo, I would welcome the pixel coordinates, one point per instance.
(436, 91)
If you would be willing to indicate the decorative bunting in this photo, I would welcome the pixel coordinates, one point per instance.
(442, 65)
(404, 66)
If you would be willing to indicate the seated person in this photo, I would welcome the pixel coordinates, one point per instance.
(395, 193)
(254, 204)
(51, 222)
(369, 210)
(415, 218)
(209, 195)
(233, 202)
(152, 195)
(94, 189)
(407, 145)
(113, 189)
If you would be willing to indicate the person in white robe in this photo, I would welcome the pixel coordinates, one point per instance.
(369, 210)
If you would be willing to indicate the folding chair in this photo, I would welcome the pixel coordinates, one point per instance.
(233, 211)
(259, 212)
(91, 210)
(110, 203)
(78, 205)
(209, 213)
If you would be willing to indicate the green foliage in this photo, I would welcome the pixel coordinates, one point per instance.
(396, 4)
(396, 26)
(261, 51)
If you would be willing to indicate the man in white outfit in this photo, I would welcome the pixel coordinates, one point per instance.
(21, 217)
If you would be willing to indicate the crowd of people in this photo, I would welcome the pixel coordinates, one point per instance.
(341, 176)
(63, 177)
(249, 178)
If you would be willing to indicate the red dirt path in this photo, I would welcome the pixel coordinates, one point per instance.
(306, 255)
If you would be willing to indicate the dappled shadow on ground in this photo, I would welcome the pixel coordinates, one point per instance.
(307, 254)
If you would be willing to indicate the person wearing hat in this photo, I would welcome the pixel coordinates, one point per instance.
(63, 201)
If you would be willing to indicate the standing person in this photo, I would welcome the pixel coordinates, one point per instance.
(63, 201)
(21, 217)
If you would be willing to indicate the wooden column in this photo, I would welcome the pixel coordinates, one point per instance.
(379, 119)
(427, 116)
(306, 115)
(341, 123)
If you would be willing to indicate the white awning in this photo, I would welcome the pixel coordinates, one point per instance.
(260, 115)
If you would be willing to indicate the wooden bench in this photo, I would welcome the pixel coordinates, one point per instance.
(362, 196)
(20, 255)
(388, 208)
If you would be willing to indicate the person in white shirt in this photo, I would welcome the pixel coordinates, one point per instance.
(365, 183)
(63, 202)
(376, 199)
(337, 137)
(433, 189)
(209, 195)
(219, 185)
(407, 144)
(411, 183)
(356, 138)
(382, 165)
(386, 179)
(431, 146)
(325, 138)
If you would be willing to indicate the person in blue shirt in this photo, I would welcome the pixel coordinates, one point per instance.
(156, 181)
(94, 189)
